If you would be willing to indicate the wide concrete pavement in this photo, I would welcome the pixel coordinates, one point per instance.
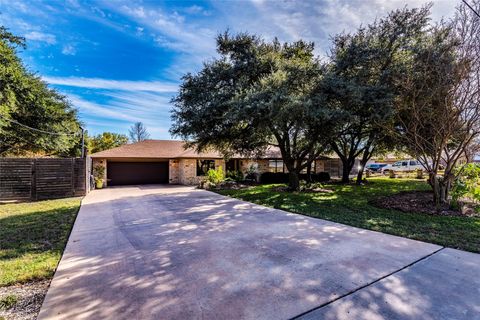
(172, 252)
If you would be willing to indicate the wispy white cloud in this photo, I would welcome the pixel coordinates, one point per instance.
(41, 36)
(126, 85)
(316, 20)
(69, 50)
(196, 9)
(121, 109)
(186, 36)
(171, 29)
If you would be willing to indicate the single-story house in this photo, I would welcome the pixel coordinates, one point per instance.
(167, 161)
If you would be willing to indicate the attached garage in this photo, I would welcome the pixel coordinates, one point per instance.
(150, 162)
(128, 173)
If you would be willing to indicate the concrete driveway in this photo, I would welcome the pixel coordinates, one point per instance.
(172, 252)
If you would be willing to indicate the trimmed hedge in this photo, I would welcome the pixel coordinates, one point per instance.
(280, 177)
(270, 177)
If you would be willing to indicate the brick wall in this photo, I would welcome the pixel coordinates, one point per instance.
(187, 171)
(174, 172)
(262, 165)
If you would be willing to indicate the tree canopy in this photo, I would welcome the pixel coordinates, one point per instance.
(105, 141)
(256, 95)
(400, 83)
(360, 83)
(438, 112)
(33, 117)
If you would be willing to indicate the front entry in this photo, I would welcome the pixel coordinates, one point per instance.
(233, 165)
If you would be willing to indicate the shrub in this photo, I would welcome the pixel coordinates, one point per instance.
(8, 302)
(252, 172)
(235, 176)
(467, 184)
(271, 177)
(316, 177)
(98, 172)
(280, 177)
(215, 176)
(321, 177)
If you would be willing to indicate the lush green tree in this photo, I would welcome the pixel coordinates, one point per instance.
(256, 95)
(105, 140)
(33, 117)
(360, 83)
(138, 132)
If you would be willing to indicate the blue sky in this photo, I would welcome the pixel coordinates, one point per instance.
(121, 61)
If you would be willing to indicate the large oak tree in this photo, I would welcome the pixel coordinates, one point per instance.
(360, 83)
(257, 94)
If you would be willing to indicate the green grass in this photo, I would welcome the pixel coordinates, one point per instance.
(348, 204)
(8, 302)
(32, 238)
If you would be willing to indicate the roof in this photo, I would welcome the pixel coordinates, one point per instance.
(170, 149)
(154, 149)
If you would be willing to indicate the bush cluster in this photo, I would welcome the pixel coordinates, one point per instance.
(236, 176)
(280, 177)
(215, 176)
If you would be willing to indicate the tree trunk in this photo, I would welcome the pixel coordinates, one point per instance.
(360, 173)
(363, 162)
(347, 168)
(309, 172)
(293, 181)
(440, 187)
(433, 180)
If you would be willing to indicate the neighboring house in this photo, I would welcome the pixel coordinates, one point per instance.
(167, 161)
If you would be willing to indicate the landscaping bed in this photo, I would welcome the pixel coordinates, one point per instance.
(33, 236)
(353, 205)
(22, 301)
(419, 202)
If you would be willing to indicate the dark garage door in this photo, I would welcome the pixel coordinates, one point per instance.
(122, 173)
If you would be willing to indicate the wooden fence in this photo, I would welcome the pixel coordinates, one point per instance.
(43, 178)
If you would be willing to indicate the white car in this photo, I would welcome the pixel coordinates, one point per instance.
(403, 166)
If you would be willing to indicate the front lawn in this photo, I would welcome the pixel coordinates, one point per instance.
(349, 204)
(32, 238)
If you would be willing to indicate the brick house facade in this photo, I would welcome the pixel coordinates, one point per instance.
(167, 161)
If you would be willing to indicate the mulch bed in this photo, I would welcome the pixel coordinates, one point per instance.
(231, 185)
(417, 202)
(29, 298)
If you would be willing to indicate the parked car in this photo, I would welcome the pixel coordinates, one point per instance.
(375, 167)
(403, 166)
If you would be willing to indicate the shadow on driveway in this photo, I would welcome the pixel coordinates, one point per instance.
(180, 253)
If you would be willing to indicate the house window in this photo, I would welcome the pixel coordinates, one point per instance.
(275, 166)
(204, 165)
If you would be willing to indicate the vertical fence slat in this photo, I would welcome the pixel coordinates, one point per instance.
(42, 178)
(33, 193)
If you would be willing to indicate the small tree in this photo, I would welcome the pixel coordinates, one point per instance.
(99, 175)
(438, 114)
(138, 132)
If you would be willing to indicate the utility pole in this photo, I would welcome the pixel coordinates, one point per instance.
(83, 142)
